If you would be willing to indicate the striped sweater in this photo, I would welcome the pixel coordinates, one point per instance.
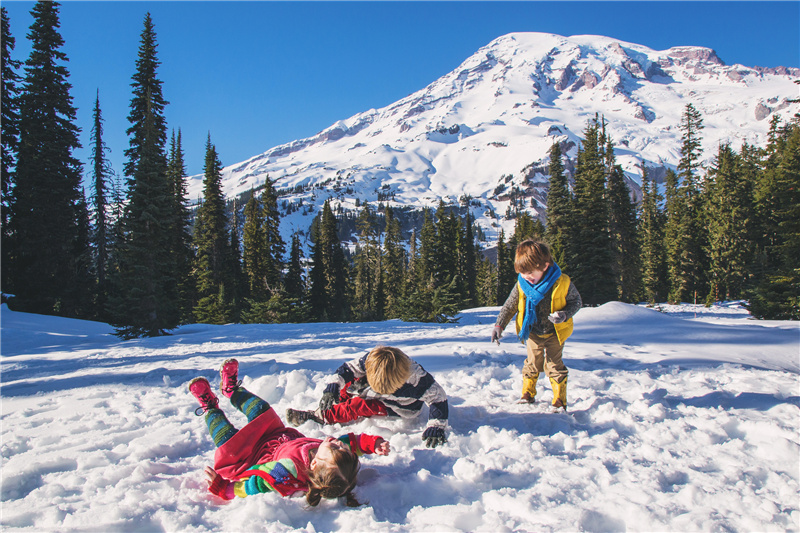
(405, 402)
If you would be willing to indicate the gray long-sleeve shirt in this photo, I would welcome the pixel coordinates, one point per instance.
(541, 326)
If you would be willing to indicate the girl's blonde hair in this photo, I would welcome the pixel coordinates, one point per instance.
(532, 255)
(387, 369)
(331, 483)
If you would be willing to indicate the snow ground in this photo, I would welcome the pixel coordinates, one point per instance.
(682, 420)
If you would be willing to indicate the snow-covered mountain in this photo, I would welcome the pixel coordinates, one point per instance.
(487, 126)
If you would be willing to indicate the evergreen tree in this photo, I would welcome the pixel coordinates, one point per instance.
(589, 252)
(101, 173)
(688, 261)
(730, 243)
(558, 208)
(181, 236)
(9, 142)
(367, 267)
(145, 300)
(47, 211)
(212, 242)
(275, 247)
(328, 294)
(468, 258)
(625, 251)
(506, 276)
(255, 251)
(393, 264)
(486, 282)
(651, 239)
(777, 297)
(294, 283)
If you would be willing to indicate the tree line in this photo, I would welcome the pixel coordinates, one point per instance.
(136, 255)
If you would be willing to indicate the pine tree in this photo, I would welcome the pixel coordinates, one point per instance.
(393, 264)
(468, 258)
(328, 293)
(589, 252)
(9, 143)
(145, 300)
(367, 267)
(181, 236)
(255, 250)
(559, 203)
(777, 297)
(730, 243)
(651, 239)
(506, 276)
(47, 211)
(212, 242)
(275, 247)
(688, 261)
(294, 282)
(625, 251)
(101, 173)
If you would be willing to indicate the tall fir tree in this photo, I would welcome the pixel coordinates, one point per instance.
(589, 250)
(506, 276)
(48, 210)
(777, 296)
(101, 174)
(559, 202)
(9, 142)
(367, 267)
(468, 258)
(255, 250)
(328, 293)
(275, 247)
(625, 250)
(295, 283)
(393, 264)
(687, 258)
(145, 299)
(729, 232)
(181, 235)
(212, 243)
(651, 238)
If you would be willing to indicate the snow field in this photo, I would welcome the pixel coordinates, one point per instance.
(667, 429)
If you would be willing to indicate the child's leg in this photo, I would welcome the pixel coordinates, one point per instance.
(353, 409)
(556, 370)
(248, 403)
(554, 367)
(218, 425)
(533, 366)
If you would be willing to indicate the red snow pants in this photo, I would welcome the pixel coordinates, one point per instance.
(353, 409)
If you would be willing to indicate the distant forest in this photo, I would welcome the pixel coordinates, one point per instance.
(134, 254)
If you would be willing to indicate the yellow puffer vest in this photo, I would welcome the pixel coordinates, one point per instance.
(558, 302)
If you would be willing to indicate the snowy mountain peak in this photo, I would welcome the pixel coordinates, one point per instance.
(487, 126)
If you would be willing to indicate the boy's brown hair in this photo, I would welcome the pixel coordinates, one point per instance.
(387, 369)
(532, 255)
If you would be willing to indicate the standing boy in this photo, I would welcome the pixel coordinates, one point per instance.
(544, 301)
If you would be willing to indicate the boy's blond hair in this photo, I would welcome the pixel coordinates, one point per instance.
(532, 255)
(387, 369)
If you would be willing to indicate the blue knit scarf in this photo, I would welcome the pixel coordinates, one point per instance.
(535, 293)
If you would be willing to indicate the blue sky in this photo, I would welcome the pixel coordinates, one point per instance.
(258, 74)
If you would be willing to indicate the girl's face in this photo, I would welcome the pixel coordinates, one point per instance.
(325, 455)
(534, 276)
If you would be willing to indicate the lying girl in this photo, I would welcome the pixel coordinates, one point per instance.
(267, 456)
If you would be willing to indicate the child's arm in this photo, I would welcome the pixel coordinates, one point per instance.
(347, 373)
(275, 476)
(363, 443)
(506, 313)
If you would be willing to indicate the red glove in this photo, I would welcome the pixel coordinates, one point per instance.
(222, 487)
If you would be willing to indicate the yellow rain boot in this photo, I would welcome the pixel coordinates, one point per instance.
(528, 390)
(559, 393)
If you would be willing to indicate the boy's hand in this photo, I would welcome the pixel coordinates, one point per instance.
(329, 397)
(433, 437)
(497, 332)
(558, 317)
(382, 446)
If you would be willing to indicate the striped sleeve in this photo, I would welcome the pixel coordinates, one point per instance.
(278, 476)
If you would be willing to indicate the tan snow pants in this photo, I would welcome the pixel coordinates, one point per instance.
(544, 355)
